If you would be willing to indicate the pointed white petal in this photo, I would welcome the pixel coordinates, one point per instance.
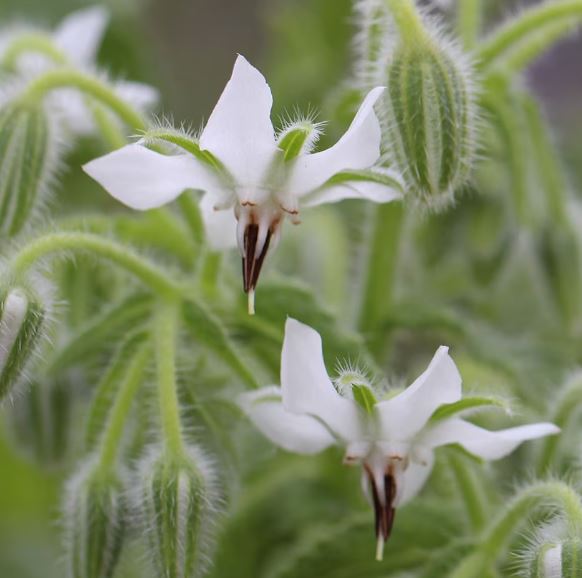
(143, 179)
(142, 96)
(375, 192)
(488, 445)
(413, 479)
(239, 131)
(220, 225)
(403, 416)
(359, 148)
(307, 388)
(300, 434)
(80, 34)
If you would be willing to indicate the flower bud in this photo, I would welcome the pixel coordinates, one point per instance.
(22, 320)
(28, 158)
(95, 521)
(177, 504)
(429, 117)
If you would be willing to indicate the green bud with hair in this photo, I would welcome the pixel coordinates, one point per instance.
(28, 161)
(95, 517)
(177, 505)
(555, 560)
(23, 316)
(429, 114)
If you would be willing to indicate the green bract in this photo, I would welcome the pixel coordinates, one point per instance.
(95, 521)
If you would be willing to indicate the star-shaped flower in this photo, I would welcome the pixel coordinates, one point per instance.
(75, 43)
(393, 439)
(242, 164)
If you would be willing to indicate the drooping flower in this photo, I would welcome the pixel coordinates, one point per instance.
(241, 164)
(74, 43)
(392, 439)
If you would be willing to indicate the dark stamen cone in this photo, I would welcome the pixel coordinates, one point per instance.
(251, 263)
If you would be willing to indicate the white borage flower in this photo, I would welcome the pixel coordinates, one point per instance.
(76, 42)
(241, 163)
(393, 440)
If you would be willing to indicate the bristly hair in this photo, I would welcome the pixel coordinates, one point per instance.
(295, 119)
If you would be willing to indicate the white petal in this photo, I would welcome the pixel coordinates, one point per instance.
(239, 131)
(307, 388)
(300, 434)
(142, 96)
(370, 191)
(359, 148)
(72, 108)
(80, 34)
(143, 179)
(413, 479)
(403, 416)
(488, 445)
(220, 225)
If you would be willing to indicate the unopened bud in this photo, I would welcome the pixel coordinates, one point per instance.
(429, 117)
(22, 320)
(177, 504)
(95, 521)
(28, 159)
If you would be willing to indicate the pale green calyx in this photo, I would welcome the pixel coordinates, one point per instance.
(429, 116)
(557, 559)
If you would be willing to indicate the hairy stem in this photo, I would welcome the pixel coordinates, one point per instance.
(407, 19)
(29, 44)
(154, 277)
(128, 388)
(469, 22)
(528, 27)
(165, 331)
(89, 85)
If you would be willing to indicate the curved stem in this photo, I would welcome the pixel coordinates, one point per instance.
(532, 21)
(165, 331)
(469, 22)
(542, 495)
(32, 43)
(119, 412)
(569, 403)
(471, 490)
(68, 78)
(156, 278)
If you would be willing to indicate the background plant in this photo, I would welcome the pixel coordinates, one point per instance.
(146, 330)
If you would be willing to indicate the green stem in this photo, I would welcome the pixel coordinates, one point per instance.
(154, 277)
(110, 131)
(547, 163)
(471, 490)
(530, 23)
(128, 388)
(165, 330)
(469, 22)
(210, 273)
(407, 19)
(67, 78)
(383, 257)
(32, 43)
(568, 405)
(542, 495)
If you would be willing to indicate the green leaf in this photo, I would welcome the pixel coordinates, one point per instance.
(209, 331)
(371, 176)
(296, 139)
(467, 404)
